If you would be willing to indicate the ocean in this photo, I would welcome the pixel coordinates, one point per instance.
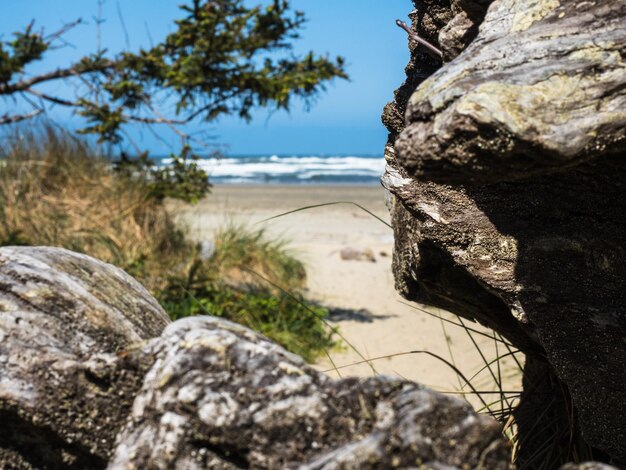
(293, 169)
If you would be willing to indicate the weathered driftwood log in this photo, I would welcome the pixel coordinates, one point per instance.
(510, 187)
(77, 369)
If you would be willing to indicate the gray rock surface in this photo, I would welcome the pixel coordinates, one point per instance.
(541, 88)
(509, 179)
(93, 375)
(587, 466)
(220, 396)
(354, 254)
(63, 390)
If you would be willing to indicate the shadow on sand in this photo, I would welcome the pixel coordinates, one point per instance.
(361, 315)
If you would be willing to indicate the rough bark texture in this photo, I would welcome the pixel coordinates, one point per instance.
(510, 188)
(77, 369)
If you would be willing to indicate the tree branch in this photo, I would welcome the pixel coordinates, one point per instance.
(7, 119)
(432, 50)
(144, 120)
(23, 85)
(158, 120)
(57, 34)
(51, 98)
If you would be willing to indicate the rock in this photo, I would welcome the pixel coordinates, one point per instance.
(352, 254)
(82, 385)
(63, 391)
(509, 186)
(557, 98)
(587, 466)
(220, 396)
(207, 249)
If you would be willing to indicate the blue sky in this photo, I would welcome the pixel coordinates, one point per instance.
(344, 120)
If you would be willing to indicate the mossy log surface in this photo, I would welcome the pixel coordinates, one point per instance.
(506, 162)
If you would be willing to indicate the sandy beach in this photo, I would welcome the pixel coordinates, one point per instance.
(370, 315)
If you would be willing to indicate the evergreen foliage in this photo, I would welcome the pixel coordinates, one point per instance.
(223, 58)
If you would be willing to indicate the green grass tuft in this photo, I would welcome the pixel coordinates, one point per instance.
(296, 327)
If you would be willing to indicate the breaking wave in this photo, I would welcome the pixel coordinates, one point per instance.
(293, 169)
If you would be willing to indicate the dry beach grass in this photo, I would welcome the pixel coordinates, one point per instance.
(56, 190)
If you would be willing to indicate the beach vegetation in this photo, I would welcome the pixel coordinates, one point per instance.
(87, 194)
(251, 256)
(60, 190)
(222, 57)
(291, 322)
